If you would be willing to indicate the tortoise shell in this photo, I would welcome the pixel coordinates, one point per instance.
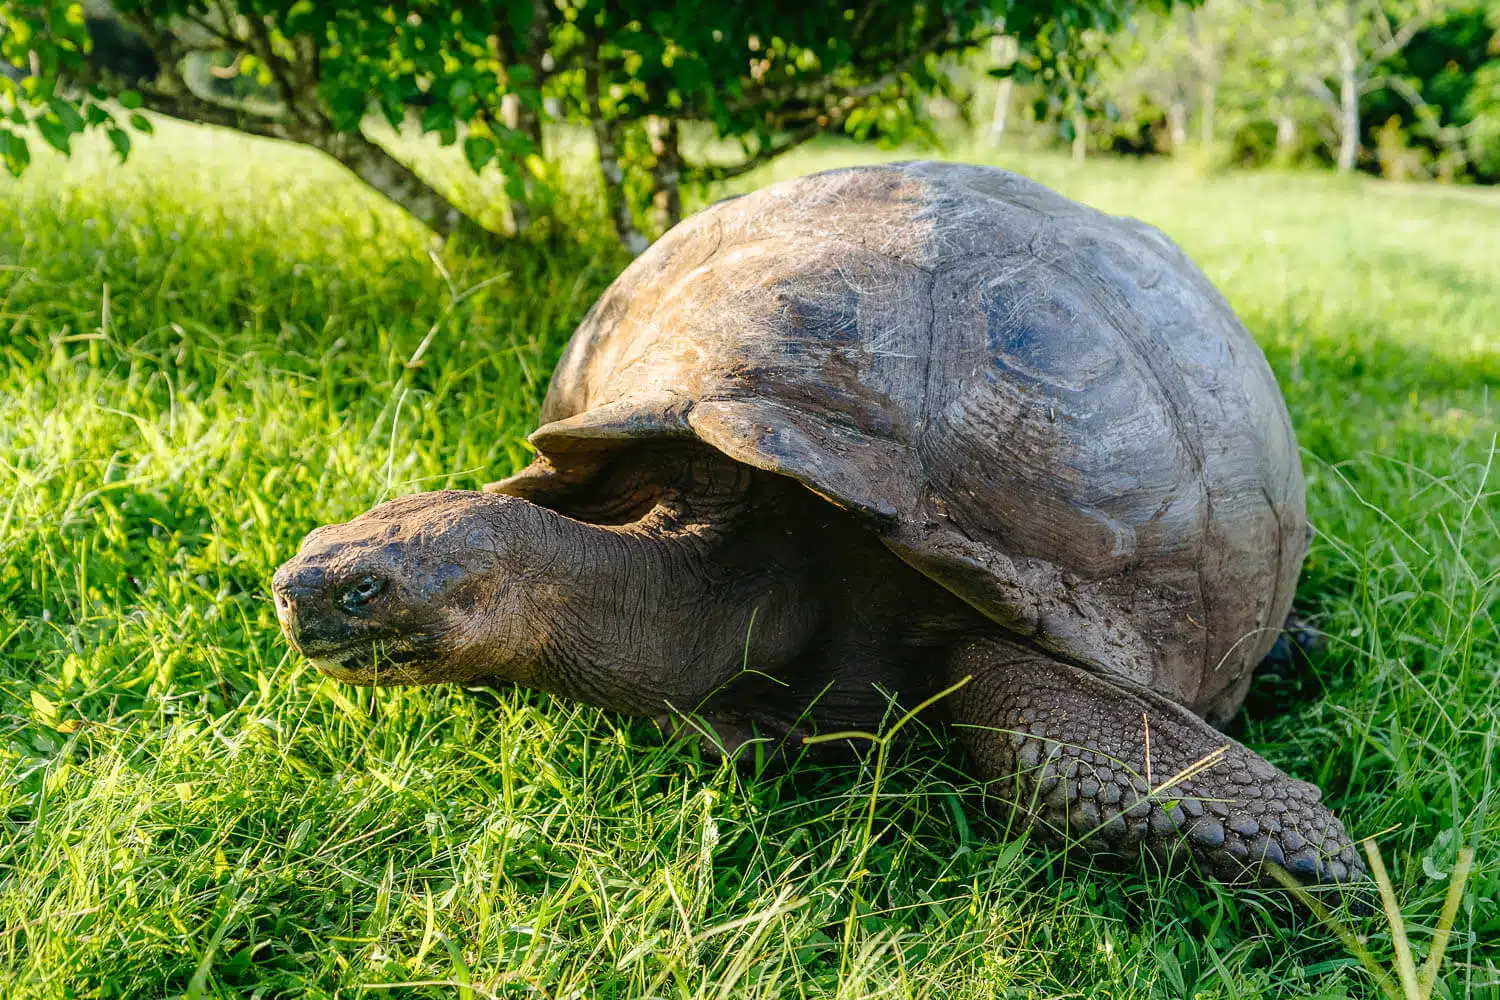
(1046, 409)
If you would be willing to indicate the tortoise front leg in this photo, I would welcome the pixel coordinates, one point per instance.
(1119, 769)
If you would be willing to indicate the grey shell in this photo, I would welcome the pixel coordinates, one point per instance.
(1047, 409)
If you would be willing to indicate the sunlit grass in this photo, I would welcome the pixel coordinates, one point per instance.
(207, 353)
(1407, 983)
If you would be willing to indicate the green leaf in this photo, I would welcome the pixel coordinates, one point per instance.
(515, 144)
(141, 124)
(44, 707)
(300, 17)
(19, 29)
(437, 118)
(67, 114)
(55, 135)
(347, 107)
(120, 139)
(478, 151)
(130, 99)
(515, 187)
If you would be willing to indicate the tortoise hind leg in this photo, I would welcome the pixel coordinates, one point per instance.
(1119, 769)
(1298, 641)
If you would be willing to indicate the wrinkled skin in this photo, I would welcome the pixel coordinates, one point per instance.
(653, 616)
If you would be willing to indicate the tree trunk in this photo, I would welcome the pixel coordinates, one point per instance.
(518, 117)
(606, 137)
(365, 159)
(1080, 128)
(666, 173)
(1004, 50)
(1204, 51)
(1002, 111)
(1208, 99)
(393, 179)
(1348, 105)
(1286, 137)
(1177, 125)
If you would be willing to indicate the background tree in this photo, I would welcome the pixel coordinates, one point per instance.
(1401, 87)
(1062, 65)
(638, 76)
(1151, 79)
(1442, 93)
(1344, 50)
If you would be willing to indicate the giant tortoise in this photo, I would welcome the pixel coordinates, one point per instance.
(857, 439)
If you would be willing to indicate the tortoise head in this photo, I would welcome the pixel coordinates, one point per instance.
(407, 592)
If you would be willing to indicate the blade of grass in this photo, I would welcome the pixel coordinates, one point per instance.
(1340, 930)
(1406, 969)
(1455, 897)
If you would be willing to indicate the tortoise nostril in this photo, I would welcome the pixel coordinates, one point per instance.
(296, 584)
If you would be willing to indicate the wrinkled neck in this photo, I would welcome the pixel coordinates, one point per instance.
(606, 613)
(657, 614)
(617, 566)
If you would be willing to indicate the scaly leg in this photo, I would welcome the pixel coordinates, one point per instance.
(1085, 759)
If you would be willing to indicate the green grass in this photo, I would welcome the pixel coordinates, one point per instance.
(205, 355)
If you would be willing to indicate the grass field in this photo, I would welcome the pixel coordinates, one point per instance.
(206, 353)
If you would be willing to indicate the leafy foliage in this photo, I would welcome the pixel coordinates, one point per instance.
(486, 77)
(47, 41)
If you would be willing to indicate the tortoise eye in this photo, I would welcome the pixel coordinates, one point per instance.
(361, 592)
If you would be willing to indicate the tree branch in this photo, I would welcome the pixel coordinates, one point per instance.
(164, 46)
(1319, 89)
(368, 161)
(936, 46)
(762, 155)
(225, 38)
(828, 117)
(864, 18)
(189, 108)
(1400, 39)
(280, 70)
(1451, 137)
(809, 92)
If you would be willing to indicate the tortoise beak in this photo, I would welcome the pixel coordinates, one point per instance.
(305, 609)
(288, 596)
